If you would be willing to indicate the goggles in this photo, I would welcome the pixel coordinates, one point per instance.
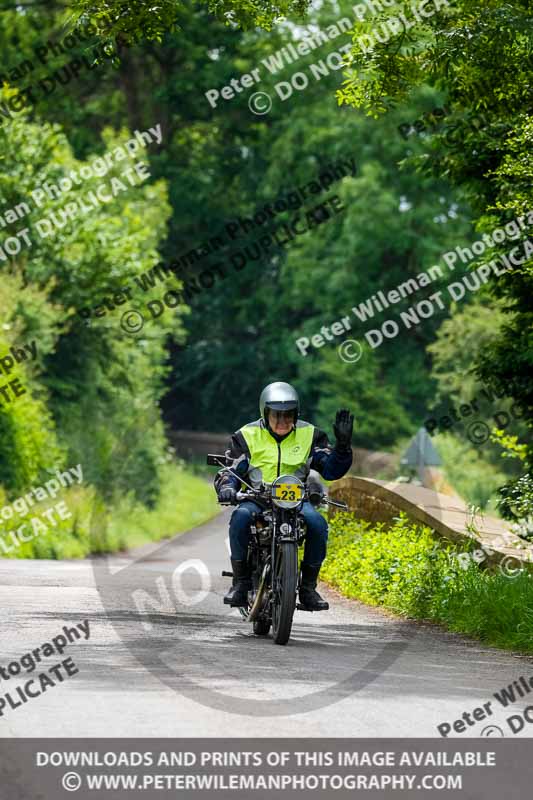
(280, 416)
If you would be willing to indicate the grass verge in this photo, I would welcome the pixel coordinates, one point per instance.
(185, 501)
(411, 571)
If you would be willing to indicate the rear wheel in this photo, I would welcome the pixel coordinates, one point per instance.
(284, 583)
(261, 627)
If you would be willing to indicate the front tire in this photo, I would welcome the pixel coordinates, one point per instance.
(284, 584)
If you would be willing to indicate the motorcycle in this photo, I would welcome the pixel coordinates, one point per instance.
(276, 533)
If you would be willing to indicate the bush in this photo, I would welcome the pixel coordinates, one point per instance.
(470, 472)
(410, 570)
(94, 527)
(28, 441)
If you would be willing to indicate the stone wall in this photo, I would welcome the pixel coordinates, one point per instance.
(448, 516)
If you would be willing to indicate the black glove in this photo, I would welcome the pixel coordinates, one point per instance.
(227, 495)
(343, 429)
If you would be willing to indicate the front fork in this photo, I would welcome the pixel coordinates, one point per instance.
(265, 579)
(283, 518)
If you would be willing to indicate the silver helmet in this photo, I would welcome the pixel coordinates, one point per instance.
(279, 396)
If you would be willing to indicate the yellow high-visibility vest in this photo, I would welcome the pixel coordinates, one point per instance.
(279, 458)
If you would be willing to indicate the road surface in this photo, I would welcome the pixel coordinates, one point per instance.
(164, 667)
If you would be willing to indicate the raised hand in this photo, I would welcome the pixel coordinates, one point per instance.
(343, 429)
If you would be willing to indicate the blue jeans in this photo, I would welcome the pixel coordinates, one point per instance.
(315, 540)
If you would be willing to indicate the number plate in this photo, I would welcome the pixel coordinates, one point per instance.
(288, 491)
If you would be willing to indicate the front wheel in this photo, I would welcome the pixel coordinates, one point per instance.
(284, 582)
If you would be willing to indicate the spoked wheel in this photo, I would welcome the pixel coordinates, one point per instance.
(261, 627)
(284, 581)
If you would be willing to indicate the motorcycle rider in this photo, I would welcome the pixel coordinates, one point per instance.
(280, 443)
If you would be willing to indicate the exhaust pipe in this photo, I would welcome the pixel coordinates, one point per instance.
(258, 602)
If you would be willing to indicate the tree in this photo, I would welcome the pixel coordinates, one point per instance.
(480, 54)
(92, 382)
(132, 21)
(460, 342)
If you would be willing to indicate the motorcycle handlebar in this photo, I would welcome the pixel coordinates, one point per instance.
(242, 496)
(239, 498)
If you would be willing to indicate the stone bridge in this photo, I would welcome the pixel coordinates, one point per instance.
(448, 515)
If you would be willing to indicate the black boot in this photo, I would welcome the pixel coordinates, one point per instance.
(309, 597)
(238, 593)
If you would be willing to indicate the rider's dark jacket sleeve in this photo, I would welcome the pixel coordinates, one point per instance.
(331, 463)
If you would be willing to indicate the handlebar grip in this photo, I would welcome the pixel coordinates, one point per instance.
(238, 497)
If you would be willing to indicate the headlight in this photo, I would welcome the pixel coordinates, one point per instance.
(287, 491)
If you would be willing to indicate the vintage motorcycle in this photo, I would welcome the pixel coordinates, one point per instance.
(276, 533)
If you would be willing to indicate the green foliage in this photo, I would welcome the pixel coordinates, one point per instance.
(399, 568)
(395, 225)
(28, 441)
(361, 388)
(94, 527)
(459, 342)
(410, 570)
(96, 385)
(91, 384)
(468, 47)
(516, 503)
(185, 501)
(473, 474)
(138, 20)
(480, 54)
(517, 500)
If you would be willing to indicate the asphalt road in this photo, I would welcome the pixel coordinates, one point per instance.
(165, 657)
